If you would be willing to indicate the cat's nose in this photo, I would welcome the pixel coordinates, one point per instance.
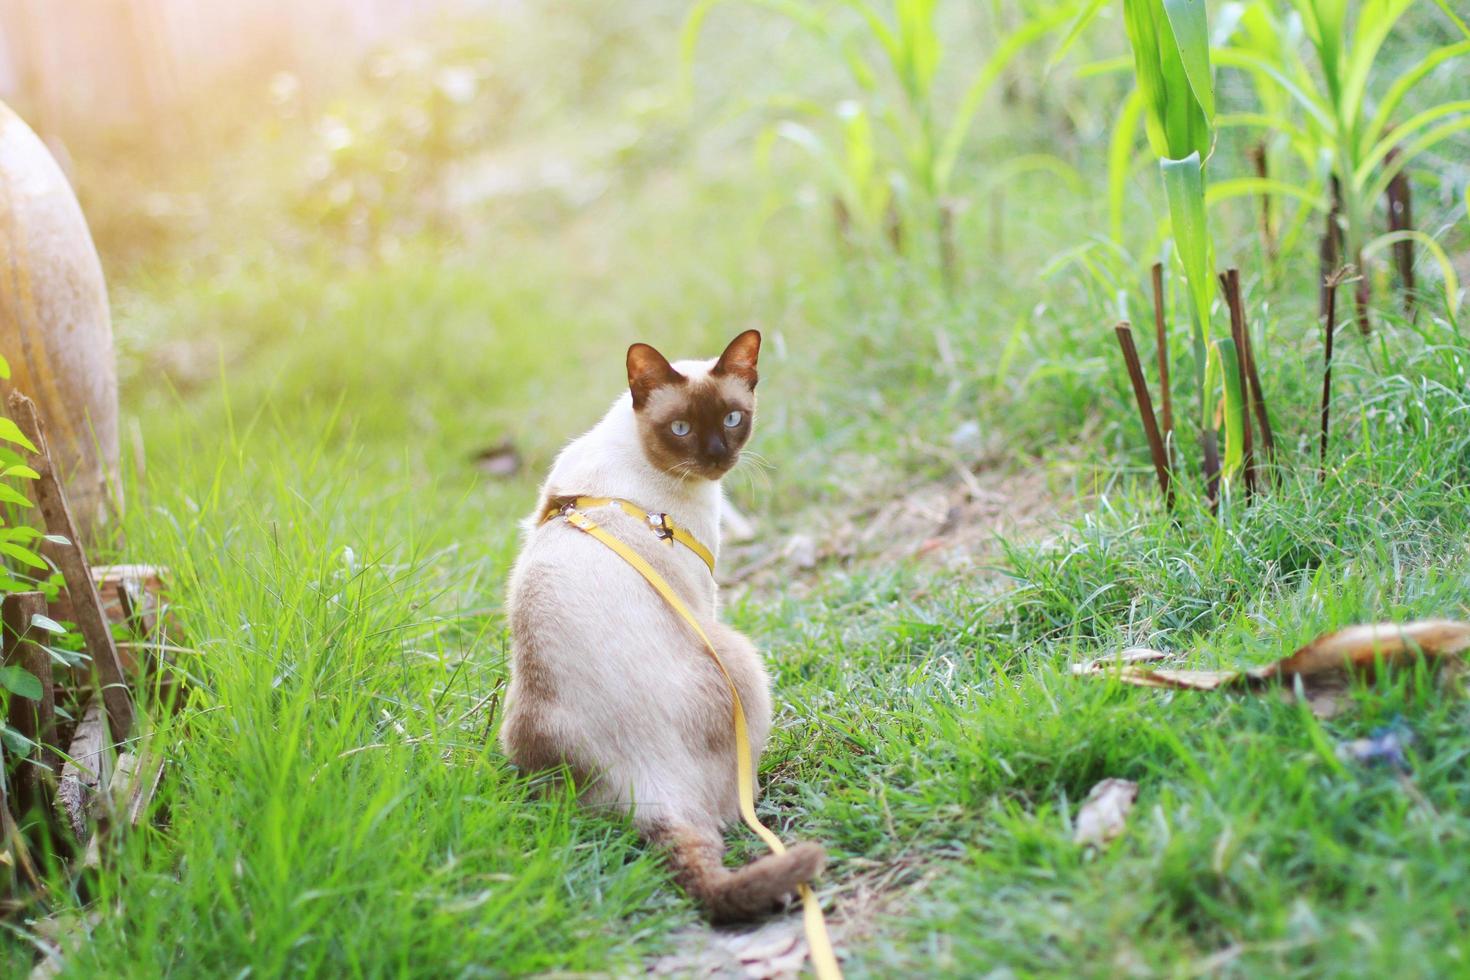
(715, 448)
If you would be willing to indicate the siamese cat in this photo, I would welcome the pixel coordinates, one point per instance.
(605, 678)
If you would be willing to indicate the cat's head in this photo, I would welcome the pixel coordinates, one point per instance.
(694, 420)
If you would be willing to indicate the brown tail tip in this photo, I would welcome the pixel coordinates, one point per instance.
(761, 886)
(743, 893)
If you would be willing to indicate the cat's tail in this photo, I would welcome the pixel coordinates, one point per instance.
(742, 893)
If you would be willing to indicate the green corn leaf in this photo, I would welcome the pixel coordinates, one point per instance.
(1224, 190)
(1120, 160)
(1184, 187)
(889, 41)
(1234, 406)
(1389, 104)
(1262, 69)
(1326, 25)
(1441, 257)
(1143, 38)
(809, 18)
(20, 471)
(1176, 121)
(1454, 17)
(1403, 131)
(18, 680)
(1190, 27)
(1376, 18)
(1085, 16)
(959, 128)
(919, 44)
(1407, 153)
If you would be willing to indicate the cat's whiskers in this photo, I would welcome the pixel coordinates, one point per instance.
(756, 458)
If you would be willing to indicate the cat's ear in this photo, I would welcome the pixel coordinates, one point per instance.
(739, 358)
(647, 370)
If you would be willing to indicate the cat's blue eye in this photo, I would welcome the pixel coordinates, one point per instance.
(733, 419)
(680, 428)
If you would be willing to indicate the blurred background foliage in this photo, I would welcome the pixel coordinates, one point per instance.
(938, 205)
(347, 266)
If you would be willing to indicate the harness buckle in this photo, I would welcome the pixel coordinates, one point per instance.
(661, 526)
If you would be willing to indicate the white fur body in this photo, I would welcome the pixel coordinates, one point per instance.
(605, 677)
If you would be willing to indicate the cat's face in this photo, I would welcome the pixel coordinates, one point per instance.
(695, 425)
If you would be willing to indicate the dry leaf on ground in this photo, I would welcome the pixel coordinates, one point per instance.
(1105, 812)
(1319, 665)
(503, 460)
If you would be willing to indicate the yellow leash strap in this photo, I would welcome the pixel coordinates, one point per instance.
(662, 524)
(824, 959)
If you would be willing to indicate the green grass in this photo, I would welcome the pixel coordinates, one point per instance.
(336, 804)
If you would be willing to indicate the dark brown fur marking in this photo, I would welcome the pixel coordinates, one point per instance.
(662, 396)
(744, 893)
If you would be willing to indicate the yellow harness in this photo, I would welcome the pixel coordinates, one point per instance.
(824, 959)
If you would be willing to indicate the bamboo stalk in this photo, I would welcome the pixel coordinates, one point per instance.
(1209, 445)
(1230, 285)
(1330, 284)
(1161, 339)
(893, 226)
(1268, 230)
(1257, 393)
(947, 253)
(842, 224)
(1329, 251)
(1401, 218)
(1146, 411)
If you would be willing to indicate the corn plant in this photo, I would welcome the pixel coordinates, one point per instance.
(1175, 87)
(1340, 130)
(891, 145)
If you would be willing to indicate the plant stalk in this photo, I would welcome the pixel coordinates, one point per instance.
(1401, 218)
(1253, 376)
(1230, 285)
(1268, 228)
(1166, 398)
(1146, 411)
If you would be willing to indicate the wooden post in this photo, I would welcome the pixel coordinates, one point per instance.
(36, 720)
(1166, 398)
(70, 559)
(1146, 411)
